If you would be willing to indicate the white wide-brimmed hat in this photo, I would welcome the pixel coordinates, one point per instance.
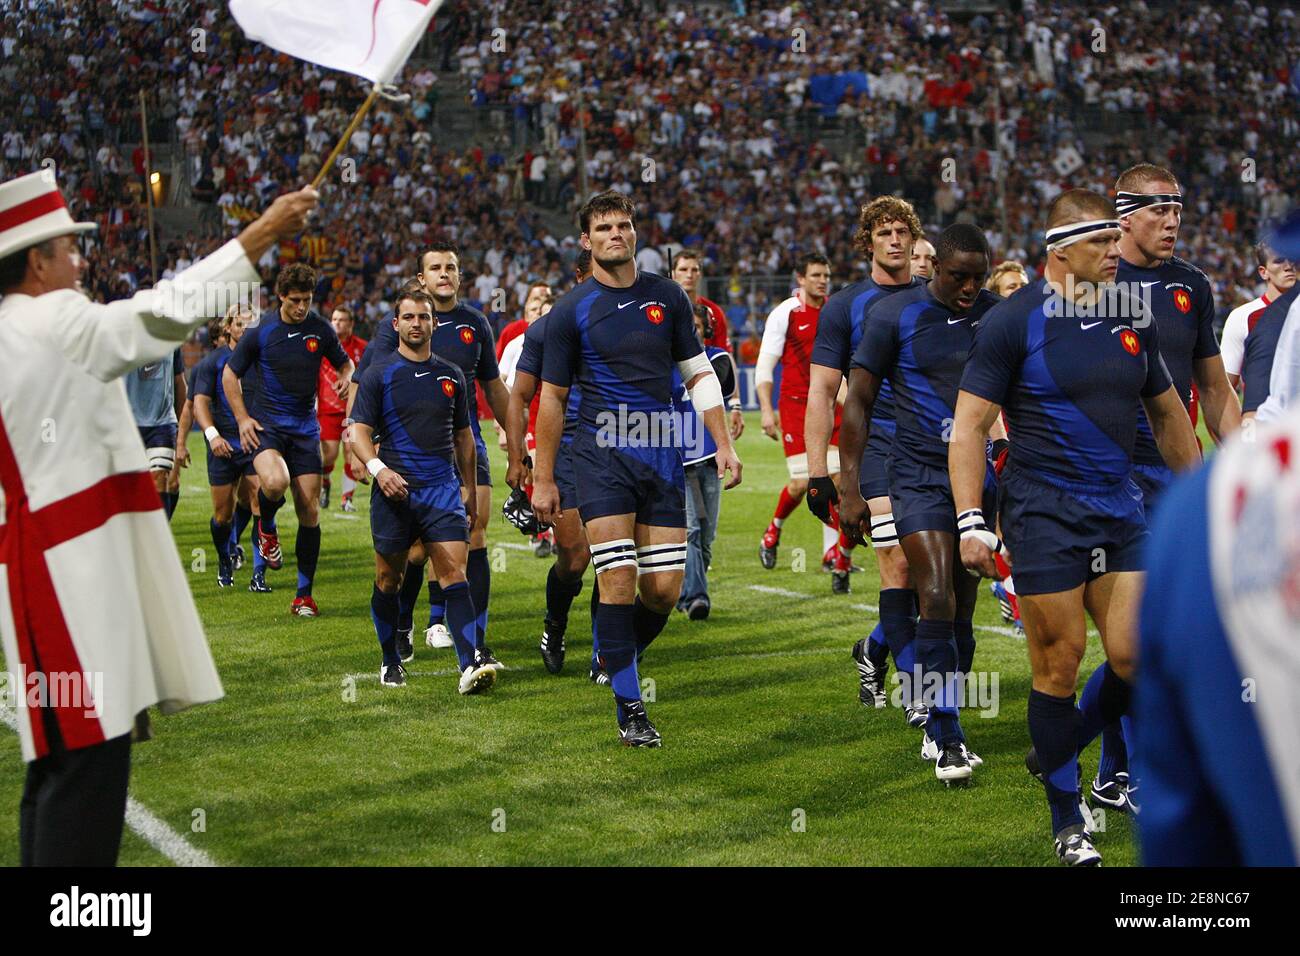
(32, 210)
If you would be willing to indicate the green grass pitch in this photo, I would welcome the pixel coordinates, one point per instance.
(768, 757)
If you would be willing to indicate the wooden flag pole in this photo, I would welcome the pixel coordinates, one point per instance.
(148, 188)
(347, 135)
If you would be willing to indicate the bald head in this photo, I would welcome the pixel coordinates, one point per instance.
(1078, 205)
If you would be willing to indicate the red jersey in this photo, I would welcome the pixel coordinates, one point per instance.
(513, 329)
(327, 402)
(789, 334)
(721, 333)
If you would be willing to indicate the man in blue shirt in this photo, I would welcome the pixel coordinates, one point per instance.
(418, 406)
(1149, 205)
(620, 334)
(228, 464)
(918, 340)
(888, 228)
(281, 429)
(1070, 358)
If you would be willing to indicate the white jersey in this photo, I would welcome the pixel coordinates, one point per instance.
(1284, 379)
(92, 593)
(1235, 329)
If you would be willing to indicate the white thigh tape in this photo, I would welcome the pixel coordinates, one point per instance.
(620, 553)
(883, 532)
(161, 458)
(661, 557)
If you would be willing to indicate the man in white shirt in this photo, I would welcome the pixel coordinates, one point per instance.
(1279, 274)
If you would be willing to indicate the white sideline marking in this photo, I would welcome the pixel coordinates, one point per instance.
(779, 592)
(513, 546)
(343, 517)
(152, 830)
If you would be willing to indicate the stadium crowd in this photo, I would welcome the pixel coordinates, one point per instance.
(688, 111)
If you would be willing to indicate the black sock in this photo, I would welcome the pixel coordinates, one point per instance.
(1053, 729)
(646, 626)
(383, 611)
(408, 594)
(560, 593)
(479, 575)
(307, 551)
(936, 653)
(268, 508)
(437, 603)
(242, 517)
(168, 503)
(964, 632)
(221, 537)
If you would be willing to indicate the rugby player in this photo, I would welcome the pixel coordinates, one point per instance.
(1278, 275)
(788, 338)
(330, 408)
(156, 392)
(888, 227)
(280, 429)
(918, 340)
(620, 335)
(923, 257)
(1149, 207)
(418, 404)
(1070, 358)
(1007, 278)
(688, 272)
(229, 466)
(463, 337)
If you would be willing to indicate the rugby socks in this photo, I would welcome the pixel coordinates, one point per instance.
(936, 653)
(898, 627)
(1105, 699)
(479, 575)
(170, 500)
(460, 621)
(830, 537)
(268, 509)
(437, 604)
(877, 648)
(964, 632)
(408, 594)
(1114, 751)
(1054, 730)
(383, 611)
(307, 551)
(647, 624)
(242, 517)
(559, 599)
(785, 506)
(618, 650)
(221, 538)
(595, 612)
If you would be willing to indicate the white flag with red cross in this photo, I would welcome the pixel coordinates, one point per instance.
(371, 38)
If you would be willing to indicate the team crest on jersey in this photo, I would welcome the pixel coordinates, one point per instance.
(448, 387)
(654, 311)
(312, 342)
(1128, 338)
(466, 335)
(1182, 300)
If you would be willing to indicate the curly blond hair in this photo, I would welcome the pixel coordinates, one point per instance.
(884, 209)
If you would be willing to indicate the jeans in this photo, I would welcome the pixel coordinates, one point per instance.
(703, 499)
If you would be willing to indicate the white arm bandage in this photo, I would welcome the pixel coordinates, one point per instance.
(707, 392)
(763, 371)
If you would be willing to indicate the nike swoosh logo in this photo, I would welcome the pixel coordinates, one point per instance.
(422, 374)
(802, 327)
(1145, 284)
(1089, 325)
(955, 321)
(294, 335)
(626, 304)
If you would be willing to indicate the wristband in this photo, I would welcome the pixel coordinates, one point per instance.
(375, 466)
(971, 525)
(211, 433)
(527, 462)
(348, 422)
(733, 405)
